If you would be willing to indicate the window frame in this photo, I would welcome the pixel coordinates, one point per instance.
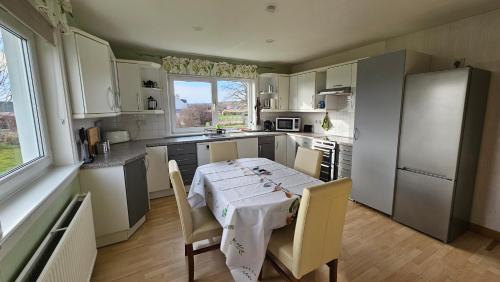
(213, 82)
(20, 176)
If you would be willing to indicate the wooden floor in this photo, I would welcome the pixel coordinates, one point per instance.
(374, 248)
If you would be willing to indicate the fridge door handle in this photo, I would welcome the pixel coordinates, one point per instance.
(424, 172)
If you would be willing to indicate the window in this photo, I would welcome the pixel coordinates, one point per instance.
(201, 103)
(21, 140)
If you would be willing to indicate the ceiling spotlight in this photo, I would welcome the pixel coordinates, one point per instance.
(269, 40)
(271, 8)
(197, 28)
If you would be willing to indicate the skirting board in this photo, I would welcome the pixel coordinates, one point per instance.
(120, 236)
(484, 231)
(161, 193)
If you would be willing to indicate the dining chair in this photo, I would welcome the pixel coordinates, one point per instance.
(197, 223)
(308, 161)
(316, 238)
(223, 151)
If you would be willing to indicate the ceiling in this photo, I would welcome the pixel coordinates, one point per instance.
(238, 29)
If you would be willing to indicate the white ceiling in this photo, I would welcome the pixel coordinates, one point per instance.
(238, 29)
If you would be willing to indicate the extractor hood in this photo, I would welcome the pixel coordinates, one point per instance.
(339, 91)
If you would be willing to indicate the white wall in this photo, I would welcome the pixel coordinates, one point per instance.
(477, 41)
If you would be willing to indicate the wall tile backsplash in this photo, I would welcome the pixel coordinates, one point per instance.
(342, 122)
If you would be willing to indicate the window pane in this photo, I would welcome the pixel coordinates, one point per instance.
(19, 130)
(193, 104)
(232, 103)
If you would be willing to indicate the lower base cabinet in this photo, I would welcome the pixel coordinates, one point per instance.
(280, 149)
(157, 172)
(247, 148)
(266, 147)
(119, 200)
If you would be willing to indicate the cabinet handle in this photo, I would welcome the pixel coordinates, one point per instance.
(138, 102)
(260, 150)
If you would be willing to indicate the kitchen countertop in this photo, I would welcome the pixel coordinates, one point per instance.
(123, 153)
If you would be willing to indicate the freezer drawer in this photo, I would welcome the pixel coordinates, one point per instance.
(424, 203)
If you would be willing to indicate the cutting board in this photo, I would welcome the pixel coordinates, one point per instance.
(93, 139)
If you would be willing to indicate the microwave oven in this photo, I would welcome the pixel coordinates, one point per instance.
(287, 124)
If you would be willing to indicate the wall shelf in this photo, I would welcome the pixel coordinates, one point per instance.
(294, 111)
(145, 112)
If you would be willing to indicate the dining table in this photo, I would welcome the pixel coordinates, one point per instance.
(249, 197)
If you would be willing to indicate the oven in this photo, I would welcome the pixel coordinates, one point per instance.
(329, 170)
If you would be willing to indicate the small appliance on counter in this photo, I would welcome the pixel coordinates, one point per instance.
(118, 136)
(308, 128)
(288, 124)
(269, 126)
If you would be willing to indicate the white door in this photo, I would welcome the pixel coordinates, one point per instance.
(95, 75)
(203, 153)
(248, 147)
(283, 92)
(291, 147)
(129, 82)
(306, 90)
(292, 99)
(280, 149)
(340, 76)
(157, 168)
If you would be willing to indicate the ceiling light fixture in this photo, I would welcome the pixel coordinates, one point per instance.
(269, 40)
(197, 28)
(271, 8)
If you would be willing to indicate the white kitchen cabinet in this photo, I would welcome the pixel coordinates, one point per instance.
(248, 147)
(203, 153)
(291, 149)
(157, 171)
(283, 92)
(90, 74)
(129, 81)
(280, 149)
(119, 200)
(293, 93)
(306, 92)
(339, 76)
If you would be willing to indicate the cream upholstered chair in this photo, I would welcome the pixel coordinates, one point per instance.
(197, 223)
(308, 161)
(315, 239)
(223, 151)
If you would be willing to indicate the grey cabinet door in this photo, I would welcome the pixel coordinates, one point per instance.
(266, 151)
(136, 187)
(380, 82)
(424, 203)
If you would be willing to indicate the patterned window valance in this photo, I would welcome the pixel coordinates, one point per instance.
(200, 67)
(54, 11)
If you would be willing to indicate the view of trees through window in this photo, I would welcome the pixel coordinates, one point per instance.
(19, 131)
(10, 151)
(200, 104)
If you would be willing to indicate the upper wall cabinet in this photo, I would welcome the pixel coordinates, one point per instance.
(339, 76)
(274, 91)
(90, 67)
(306, 91)
(140, 84)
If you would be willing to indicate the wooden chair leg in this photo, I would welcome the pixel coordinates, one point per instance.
(333, 270)
(188, 252)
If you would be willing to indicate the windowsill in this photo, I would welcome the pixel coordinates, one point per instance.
(19, 211)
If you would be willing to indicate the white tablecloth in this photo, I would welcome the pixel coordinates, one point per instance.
(248, 206)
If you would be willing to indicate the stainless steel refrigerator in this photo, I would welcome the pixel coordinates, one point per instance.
(441, 130)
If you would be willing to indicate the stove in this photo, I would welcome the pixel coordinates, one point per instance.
(329, 170)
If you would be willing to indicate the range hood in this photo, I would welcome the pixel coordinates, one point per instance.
(339, 91)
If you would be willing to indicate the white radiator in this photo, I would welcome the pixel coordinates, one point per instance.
(68, 252)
